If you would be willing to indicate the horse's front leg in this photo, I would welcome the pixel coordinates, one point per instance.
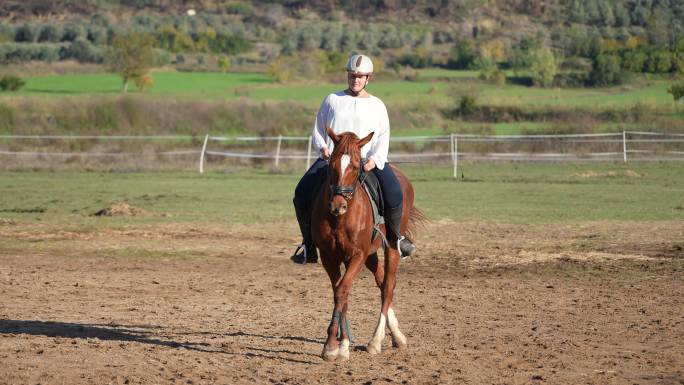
(331, 348)
(387, 315)
(339, 325)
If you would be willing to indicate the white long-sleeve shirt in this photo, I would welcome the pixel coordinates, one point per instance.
(345, 113)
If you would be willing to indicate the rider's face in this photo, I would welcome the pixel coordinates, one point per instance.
(356, 82)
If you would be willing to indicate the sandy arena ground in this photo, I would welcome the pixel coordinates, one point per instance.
(483, 303)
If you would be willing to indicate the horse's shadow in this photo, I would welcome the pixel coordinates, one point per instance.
(291, 338)
(109, 332)
(138, 334)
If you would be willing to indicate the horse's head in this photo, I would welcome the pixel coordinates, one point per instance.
(345, 168)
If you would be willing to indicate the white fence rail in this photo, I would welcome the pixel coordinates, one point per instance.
(448, 149)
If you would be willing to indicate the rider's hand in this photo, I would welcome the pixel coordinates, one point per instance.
(325, 152)
(369, 165)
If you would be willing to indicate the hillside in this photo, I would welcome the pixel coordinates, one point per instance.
(312, 37)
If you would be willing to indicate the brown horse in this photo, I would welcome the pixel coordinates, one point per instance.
(342, 223)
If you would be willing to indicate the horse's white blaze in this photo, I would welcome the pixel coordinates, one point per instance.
(344, 163)
(398, 338)
(344, 349)
(375, 345)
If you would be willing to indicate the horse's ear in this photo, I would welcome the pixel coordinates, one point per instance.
(362, 142)
(335, 138)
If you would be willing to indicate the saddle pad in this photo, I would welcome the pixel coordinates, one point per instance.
(371, 185)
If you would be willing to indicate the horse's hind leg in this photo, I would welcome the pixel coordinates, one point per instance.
(398, 338)
(376, 268)
(373, 264)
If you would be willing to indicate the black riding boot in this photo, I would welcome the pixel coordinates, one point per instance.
(393, 226)
(308, 253)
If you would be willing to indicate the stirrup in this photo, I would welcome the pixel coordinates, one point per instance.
(306, 258)
(407, 250)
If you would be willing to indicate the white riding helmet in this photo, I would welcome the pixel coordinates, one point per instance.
(360, 65)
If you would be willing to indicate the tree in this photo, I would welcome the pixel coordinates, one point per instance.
(144, 82)
(606, 13)
(621, 14)
(131, 56)
(229, 44)
(544, 67)
(83, 51)
(607, 71)
(171, 39)
(593, 14)
(50, 33)
(677, 91)
(658, 61)
(463, 55)
(27, 33)
(11, 83)
(73, 32)
(223, 63)
(678, 62)
(577, 12)
(657, 28)
(633, 61)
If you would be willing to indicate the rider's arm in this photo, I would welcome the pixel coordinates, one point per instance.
(318, 134)
(380, 144)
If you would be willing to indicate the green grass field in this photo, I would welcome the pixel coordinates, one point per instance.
(513, 128)
(512, 193)
(175, 84)
(432, 88)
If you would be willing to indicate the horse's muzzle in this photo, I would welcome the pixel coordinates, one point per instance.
(337, 205)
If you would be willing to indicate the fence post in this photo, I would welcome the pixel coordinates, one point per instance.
(456, 157)
(277, 157)
(453, 152)
(308, 153)
(624, 146)
(204, 149)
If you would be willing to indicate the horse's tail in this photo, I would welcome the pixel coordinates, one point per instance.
(416, 220)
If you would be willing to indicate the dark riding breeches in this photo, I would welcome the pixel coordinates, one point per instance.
(392, 196)
(310, 183)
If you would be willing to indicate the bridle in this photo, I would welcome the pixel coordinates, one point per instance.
(347, 192)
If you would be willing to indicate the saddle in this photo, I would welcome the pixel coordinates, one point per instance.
(371, 185)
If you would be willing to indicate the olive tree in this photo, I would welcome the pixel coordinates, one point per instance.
(131, 56)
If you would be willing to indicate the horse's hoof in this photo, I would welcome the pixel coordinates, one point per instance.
(399, 340)
(330, 355)
(399, 344)
(372, 349)
(344, 351)
(343, 355)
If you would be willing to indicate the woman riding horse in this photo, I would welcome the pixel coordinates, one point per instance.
(352, 110)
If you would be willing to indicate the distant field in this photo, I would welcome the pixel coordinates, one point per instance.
(433, 87)
(514, 193)
(512, 128)
(176, 84)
